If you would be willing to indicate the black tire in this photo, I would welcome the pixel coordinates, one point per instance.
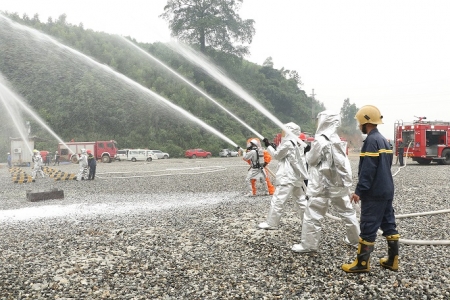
(106, 159)
(208, 156)
(423, 161)
(194, 156)
(149, 159)
(446, 156)
(165, 157)
(133, 159)
(228, 155)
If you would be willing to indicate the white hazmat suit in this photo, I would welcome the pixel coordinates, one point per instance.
(37, 167)
(330, 180)
(83, 162)
(290, 176)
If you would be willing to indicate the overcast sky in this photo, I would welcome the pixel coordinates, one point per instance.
(391, 54)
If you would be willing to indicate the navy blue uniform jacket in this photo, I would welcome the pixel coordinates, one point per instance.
(374, 172)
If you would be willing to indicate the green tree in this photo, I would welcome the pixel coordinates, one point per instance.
(348, 127)
(212, 23)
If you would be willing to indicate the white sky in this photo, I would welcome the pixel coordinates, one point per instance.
(391, 54)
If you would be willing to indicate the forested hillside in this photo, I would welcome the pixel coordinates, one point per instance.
(82, 101)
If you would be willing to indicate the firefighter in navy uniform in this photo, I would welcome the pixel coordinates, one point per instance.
(375, 190)
(92, 163)
(401, 151)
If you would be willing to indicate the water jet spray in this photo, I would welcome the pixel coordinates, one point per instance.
(192, 85)
(119, 76)
(221, 78)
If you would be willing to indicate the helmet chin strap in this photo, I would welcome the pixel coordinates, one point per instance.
(364, 128)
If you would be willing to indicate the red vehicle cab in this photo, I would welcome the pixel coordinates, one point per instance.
(44, 154)
(194, 153)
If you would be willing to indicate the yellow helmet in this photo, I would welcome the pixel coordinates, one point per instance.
(35, 151)
(369, 114)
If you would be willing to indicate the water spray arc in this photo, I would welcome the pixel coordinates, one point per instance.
(22, 134)
(119, 76)
(32, 114)
(193, 86)
(220, 77)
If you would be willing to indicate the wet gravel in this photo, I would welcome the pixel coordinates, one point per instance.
(184, 229)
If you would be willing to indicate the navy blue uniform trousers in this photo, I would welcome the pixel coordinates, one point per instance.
(377, 213)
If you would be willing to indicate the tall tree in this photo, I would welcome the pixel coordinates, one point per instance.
(213, 23)
(349, 127)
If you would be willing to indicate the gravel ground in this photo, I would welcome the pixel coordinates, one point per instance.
(183, 229)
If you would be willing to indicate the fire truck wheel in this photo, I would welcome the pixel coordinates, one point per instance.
(106, 159)
(446, 156)
(423, 161)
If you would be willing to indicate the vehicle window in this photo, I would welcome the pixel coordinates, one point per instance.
(408, 136)
(109, 145)
(100, 145)
(64, 151)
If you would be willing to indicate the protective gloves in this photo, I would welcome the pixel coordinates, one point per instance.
(266, 142)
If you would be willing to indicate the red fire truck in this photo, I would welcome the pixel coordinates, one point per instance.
(104, 150)
(424, 141)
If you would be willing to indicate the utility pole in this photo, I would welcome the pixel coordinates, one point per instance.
(312, 104)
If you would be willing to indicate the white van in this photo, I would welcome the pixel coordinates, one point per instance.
(122, 154)
(141, 154)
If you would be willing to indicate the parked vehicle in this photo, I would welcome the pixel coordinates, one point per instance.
(44, 154)
(194, 153)
(122, 154)
(141, 154)
(160, 154)
(104, 150)
(228, 153)
(424, 141)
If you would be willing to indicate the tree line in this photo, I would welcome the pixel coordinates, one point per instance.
(80, 100)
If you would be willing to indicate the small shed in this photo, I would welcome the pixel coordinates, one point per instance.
(22, 151)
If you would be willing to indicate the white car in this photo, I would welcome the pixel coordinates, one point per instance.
(160, 154)
(228, 153)
(122, 154)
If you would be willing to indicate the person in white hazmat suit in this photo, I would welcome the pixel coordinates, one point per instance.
(256, 170)
(38, 163)
(330, 180)
(83, 162)
(290, 175)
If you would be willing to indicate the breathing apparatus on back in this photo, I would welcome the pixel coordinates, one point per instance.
(253, 145)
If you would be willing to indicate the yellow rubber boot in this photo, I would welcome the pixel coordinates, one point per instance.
(362, 261)
(391, 262)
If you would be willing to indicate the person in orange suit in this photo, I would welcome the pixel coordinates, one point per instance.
(257, 169)
(267, 160)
